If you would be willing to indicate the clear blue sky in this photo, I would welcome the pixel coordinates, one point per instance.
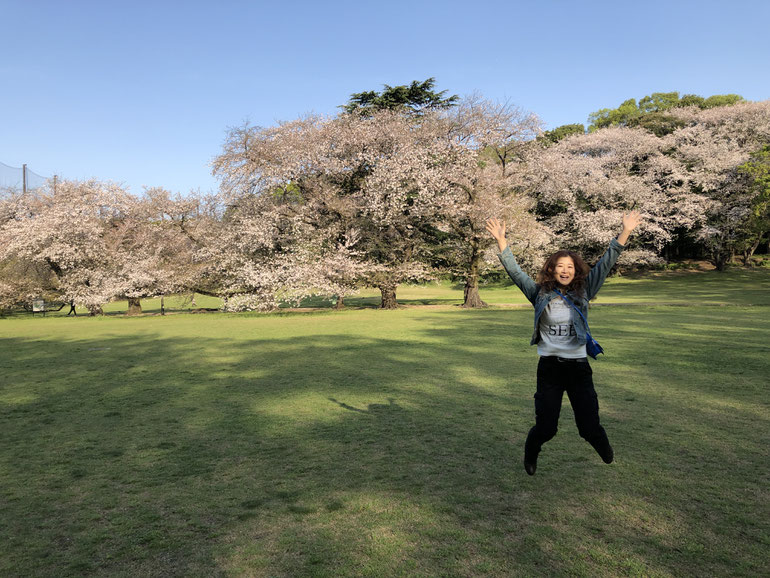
(142, 93)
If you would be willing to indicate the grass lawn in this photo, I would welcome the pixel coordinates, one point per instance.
(387, 443)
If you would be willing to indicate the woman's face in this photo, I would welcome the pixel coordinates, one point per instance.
(564, 272)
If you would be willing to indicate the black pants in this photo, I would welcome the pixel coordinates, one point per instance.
(554, 377)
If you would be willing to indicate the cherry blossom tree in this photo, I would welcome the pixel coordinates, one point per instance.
(583, 184)
(686, 181)
(481, 175)
(266, 253)
(153, 246)
(90, 242)
(65, 230)
(22, 281)
(410, 189)
(712, 147)
(355, 185)
(403, 192)
(287, 232)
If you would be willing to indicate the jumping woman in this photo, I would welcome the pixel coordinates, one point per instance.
(564, 285)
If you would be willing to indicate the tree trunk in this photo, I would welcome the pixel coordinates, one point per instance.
(472, 297)
(134, 306)
(471, 293)
(749, 252)
(388, 297)
(720, 260)
(340, 302)
(94, 310)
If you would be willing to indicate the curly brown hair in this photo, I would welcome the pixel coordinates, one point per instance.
(546, 279)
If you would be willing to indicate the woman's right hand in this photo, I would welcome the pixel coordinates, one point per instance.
(497, 230)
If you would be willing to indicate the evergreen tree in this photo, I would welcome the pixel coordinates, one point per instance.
(415, 99)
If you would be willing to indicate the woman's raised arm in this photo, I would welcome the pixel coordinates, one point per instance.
(522, 280)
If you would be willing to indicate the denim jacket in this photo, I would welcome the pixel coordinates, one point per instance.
(540, 299)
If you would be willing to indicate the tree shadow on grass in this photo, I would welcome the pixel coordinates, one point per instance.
(322, 454)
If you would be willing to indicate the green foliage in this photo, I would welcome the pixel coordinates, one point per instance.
(758, 171)
(658, 102)
(413, 99)
(613, 116)
(758, 168)
(288, 194)
(692, 100)
(560, 132)
(722, 100)
(657, 123)
(629, 113)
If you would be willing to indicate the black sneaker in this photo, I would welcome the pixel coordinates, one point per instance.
(608, 455)
(604, 449)
(530, 467)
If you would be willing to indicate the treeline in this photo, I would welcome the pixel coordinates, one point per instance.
(396, 188)
(650, 113)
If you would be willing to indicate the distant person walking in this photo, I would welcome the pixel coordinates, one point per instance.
(564, 285)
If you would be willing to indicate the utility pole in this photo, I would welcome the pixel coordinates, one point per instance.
(24, 179)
